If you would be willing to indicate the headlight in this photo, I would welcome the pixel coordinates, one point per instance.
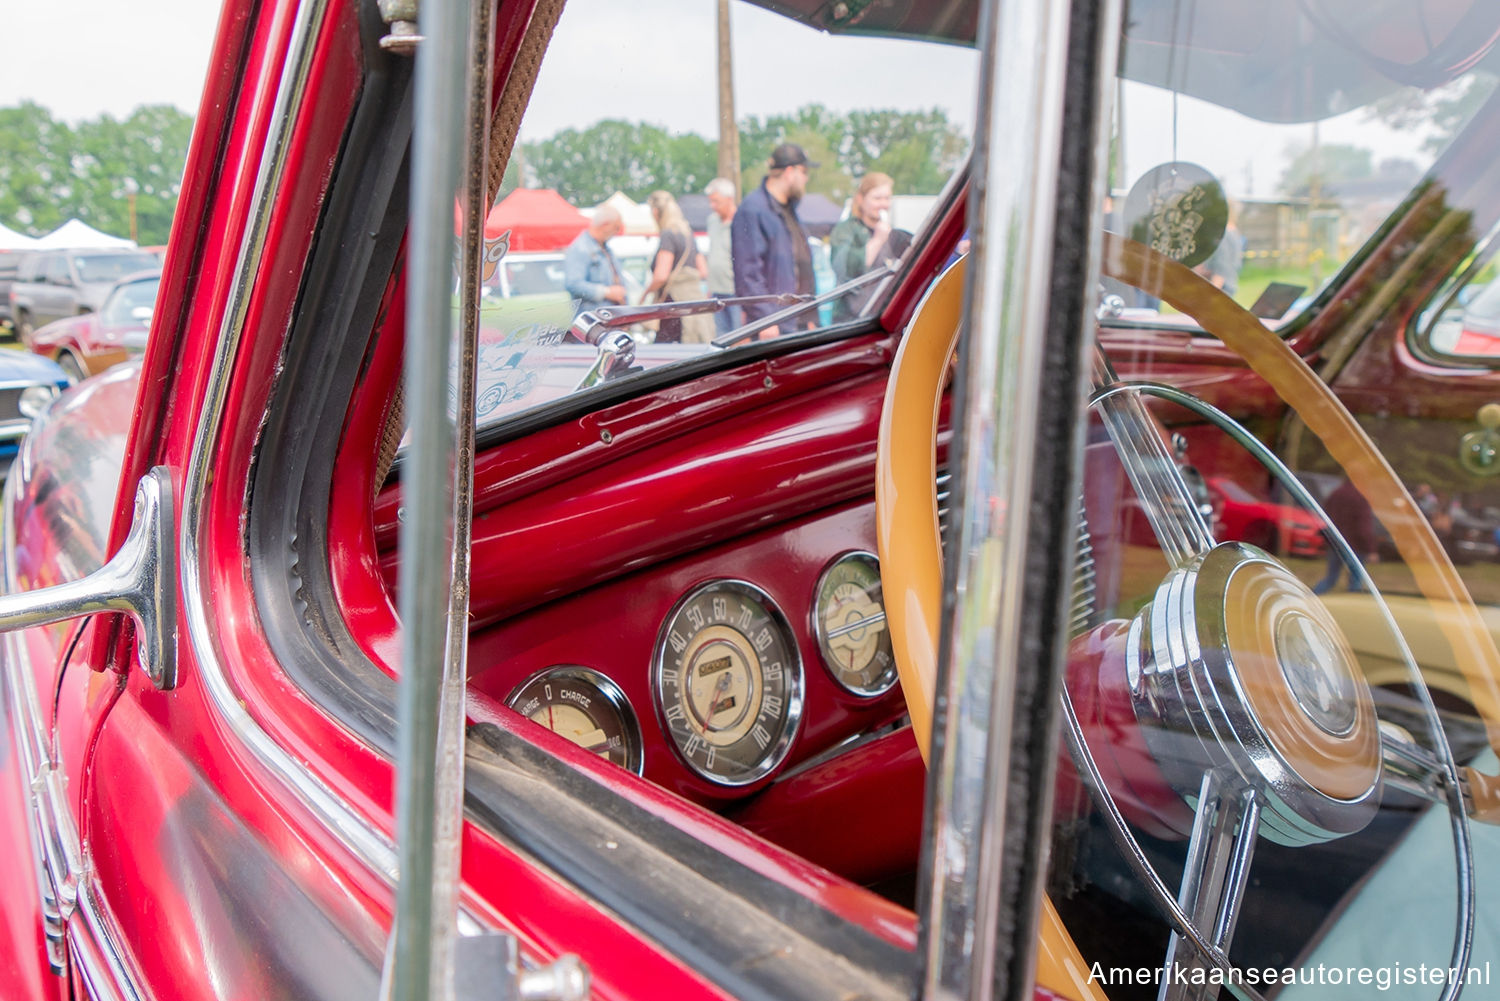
(35, 399)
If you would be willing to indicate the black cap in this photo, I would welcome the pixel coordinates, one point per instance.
(790, 155)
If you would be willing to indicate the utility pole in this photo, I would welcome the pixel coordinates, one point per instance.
(729, 131)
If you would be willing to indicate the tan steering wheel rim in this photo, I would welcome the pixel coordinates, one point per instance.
(910, 547)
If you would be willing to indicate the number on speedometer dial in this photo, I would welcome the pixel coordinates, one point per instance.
(727, 680)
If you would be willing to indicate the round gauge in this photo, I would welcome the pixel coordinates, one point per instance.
(728, 682)
(585, 707)
(849, 622)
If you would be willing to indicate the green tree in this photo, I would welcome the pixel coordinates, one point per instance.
(35, 153)
(1442, 112)
(588, 166)
(50, 172)
(1327, 164)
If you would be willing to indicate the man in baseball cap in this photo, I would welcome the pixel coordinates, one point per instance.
(770, 249)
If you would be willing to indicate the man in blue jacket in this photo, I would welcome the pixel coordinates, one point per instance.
(770, 249)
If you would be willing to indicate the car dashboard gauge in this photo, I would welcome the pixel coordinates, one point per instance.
(585, 707)
(849, 622)
(727, 681)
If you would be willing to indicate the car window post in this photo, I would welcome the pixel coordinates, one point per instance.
(1017, 414)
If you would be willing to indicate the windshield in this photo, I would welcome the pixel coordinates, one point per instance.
(130, 304)
(1269, 211)
(621, 192)
(93, 268)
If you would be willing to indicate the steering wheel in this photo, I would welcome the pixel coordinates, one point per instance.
(1314, 772)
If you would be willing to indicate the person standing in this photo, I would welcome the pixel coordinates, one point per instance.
(862, 239)
(1351, 515)
(771, 255)
(677, 272)
(720, 192)
(590, 272)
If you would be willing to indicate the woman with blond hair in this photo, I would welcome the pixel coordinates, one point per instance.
(677, 272)
(858, 242)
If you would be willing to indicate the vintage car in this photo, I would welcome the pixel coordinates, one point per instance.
(809, 666)
(87, 345)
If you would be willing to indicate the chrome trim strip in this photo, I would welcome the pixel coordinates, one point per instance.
(1011, 216)
(53, 850)
(24, 384)
(977, 910)
(106, 970)
(357, 835)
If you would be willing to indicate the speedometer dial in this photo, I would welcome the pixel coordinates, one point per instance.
(849, 621)
(585, 707)
(728, 682)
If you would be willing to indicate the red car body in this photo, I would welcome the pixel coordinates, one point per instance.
(88, 344)
(1276, 528)
(224, 823)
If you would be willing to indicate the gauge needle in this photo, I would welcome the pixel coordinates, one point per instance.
(720, 687)
(550, 724)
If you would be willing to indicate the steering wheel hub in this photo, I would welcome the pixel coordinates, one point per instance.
(1236, 665)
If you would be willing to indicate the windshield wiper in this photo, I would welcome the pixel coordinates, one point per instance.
(602, 325)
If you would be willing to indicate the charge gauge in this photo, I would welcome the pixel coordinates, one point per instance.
(585, 707)
(849, 622)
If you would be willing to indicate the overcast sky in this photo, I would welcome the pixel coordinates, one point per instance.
(641, 60)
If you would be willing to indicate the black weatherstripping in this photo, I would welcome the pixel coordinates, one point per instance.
(754, 936)
(359, 240)
(760, 942)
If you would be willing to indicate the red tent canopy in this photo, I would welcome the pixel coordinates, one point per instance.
(538, 219)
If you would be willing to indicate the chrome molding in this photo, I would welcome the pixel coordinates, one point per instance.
(105, 969)
(353, 830)
(1207, 947)
(1013, 196)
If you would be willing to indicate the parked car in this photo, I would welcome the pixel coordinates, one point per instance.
(87, 345)
(28, 385)
(53, 284)
(669, 684)
(10, 261)
(1277, 528)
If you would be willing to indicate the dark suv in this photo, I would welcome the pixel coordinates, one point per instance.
(52, 284)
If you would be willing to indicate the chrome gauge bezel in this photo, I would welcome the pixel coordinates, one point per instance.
(775, 752)
(608, 692)
(888, 678)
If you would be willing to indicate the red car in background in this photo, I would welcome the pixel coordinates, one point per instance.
(88, 344)
(1283, 529)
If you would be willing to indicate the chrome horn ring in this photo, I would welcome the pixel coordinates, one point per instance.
(1248, 784)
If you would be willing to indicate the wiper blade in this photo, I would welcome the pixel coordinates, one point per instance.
(879, 273)
(591, 325)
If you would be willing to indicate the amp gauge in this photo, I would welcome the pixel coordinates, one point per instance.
(585, 707)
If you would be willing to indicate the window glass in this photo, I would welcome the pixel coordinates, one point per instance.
(606, 201)
(1294, 201)
(93, 268)
(131, 304)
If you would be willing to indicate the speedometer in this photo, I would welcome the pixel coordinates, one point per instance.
(727, 680)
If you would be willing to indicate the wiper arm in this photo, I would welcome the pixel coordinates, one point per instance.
(749, 330)
(592, 325)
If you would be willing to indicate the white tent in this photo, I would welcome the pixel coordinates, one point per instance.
(11, 240)
(75, 235)
(636, 217)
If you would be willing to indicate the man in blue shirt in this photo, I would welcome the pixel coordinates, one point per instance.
(590, 272)
(770, 249)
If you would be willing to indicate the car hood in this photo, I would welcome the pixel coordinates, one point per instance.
(23, 366)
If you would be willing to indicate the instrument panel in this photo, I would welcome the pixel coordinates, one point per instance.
(715, 673)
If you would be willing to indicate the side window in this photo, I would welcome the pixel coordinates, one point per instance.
(621, 192)
(1463, 320)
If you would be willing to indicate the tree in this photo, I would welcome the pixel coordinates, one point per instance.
(50, 173)
(588, 166)
(35, 151)
(1328, 165)
(1441, 112)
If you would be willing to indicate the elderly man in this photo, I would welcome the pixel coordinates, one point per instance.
(720, 192)
(771, 255)
(590, 272)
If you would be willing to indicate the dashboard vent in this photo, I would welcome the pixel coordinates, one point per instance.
(1081, 616)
